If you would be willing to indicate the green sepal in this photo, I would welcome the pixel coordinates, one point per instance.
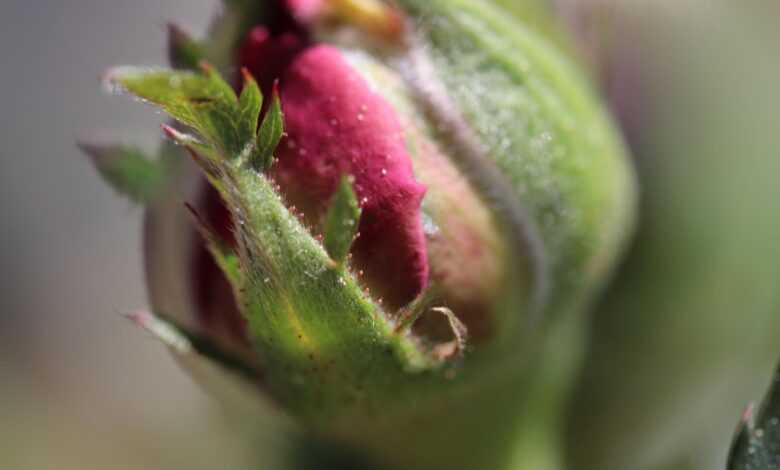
(224, 256)
(249, 105)
(756, 445)
(184, 52)
(183, 342)
(270, 133)
(201, 100)
(128, 170)
(326, 345)
(341, 221)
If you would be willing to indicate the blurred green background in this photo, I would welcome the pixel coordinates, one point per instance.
(685, 337)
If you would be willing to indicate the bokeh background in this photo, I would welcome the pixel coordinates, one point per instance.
(688, 333)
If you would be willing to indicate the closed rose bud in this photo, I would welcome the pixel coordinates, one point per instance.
(399, 216)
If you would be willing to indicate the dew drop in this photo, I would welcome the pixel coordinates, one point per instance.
(384, 172)
(360, 117)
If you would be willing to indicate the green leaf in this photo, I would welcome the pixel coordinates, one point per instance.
(271, 131)
(184, 52)
(128, 170)
(341, 222)
(757, 443)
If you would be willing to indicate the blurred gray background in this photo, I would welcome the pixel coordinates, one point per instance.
(79, 386)
(687, 335)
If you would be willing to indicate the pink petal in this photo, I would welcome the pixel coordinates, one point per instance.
(337, 125)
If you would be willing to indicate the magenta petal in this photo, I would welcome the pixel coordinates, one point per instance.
(337, 125)
(266, 56)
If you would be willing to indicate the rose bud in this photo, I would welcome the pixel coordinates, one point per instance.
(397, 219)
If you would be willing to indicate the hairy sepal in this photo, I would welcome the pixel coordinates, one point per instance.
(326, 345)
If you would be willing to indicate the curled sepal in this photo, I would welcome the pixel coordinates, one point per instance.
(424, 305)
(341, 221)
(756, 445)
(457, 346)
(128, 170)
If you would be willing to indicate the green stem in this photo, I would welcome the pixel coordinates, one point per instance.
(514, 423)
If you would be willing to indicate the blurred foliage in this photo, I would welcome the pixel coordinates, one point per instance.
(757, 443)
(690, 326)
